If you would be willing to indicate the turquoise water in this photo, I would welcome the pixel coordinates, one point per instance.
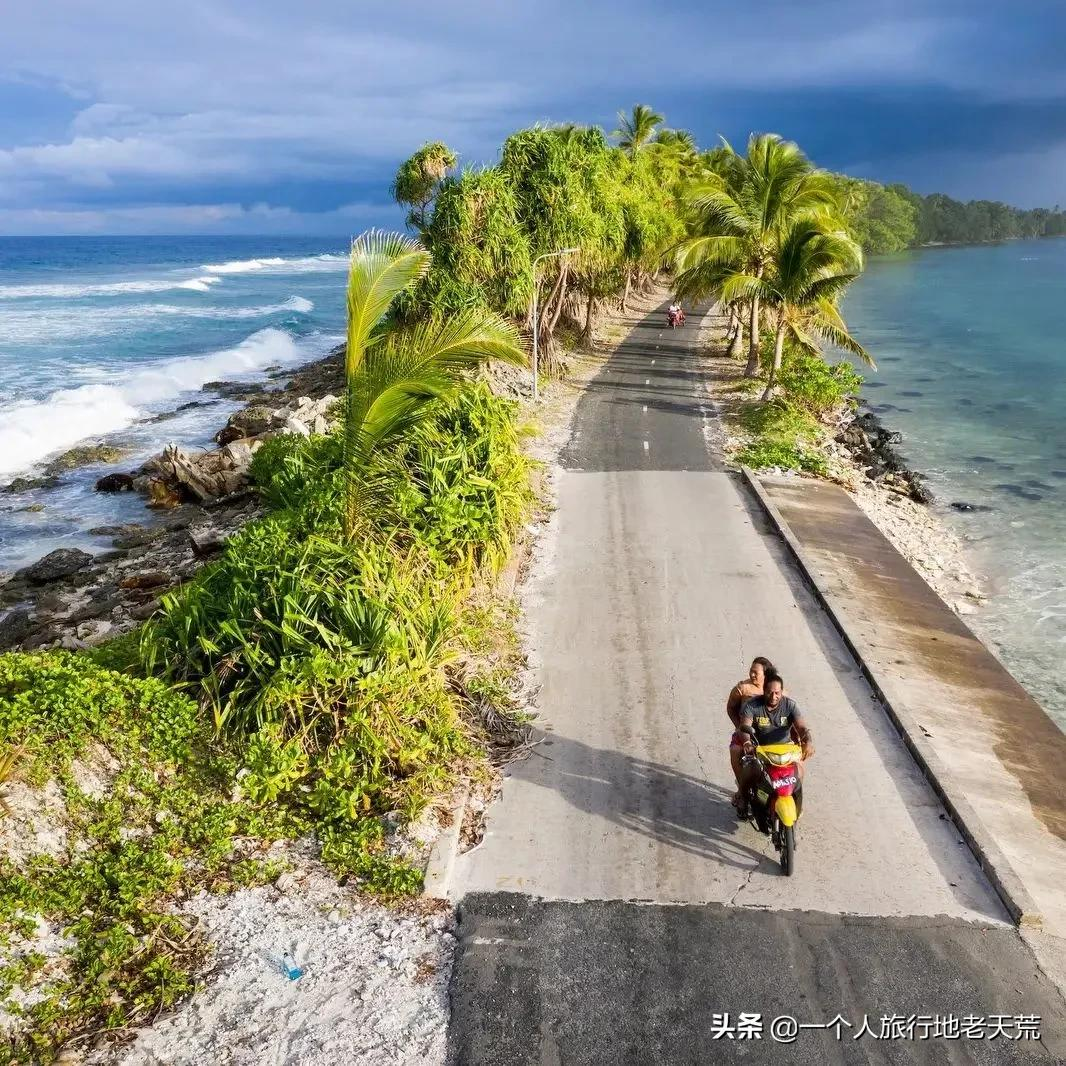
(98, 335)
(971, 348)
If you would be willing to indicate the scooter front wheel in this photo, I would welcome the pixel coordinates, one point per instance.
(788, 849)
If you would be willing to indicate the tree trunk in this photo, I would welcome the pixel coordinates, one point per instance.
(779, 347)
(736, 341)
(625, 295)
(590, 310)
(562, 297)
(546, 308)
(752, 369)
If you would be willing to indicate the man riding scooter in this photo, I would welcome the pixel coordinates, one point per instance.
(772, 718)
(675, 316)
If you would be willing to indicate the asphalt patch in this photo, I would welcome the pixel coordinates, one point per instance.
(615, 982)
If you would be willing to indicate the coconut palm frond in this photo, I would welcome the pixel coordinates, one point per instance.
(636, 130)
(382, 266)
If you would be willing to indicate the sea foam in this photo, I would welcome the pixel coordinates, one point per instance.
(113, 288)
(32, 430)
(300, 265)
(23, 325)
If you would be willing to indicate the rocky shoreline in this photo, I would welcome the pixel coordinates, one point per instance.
(197, 499)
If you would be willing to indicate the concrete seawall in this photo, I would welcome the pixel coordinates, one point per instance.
(992, 754)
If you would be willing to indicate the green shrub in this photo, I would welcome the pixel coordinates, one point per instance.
(162, 825)
(53, 705)
(781, 436)
(811, 384)
(763, 454)
(469, 481)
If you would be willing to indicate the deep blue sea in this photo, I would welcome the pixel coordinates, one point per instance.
(98, 334)
(971, 351)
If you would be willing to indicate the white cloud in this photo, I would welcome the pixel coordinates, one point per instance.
(194, 218)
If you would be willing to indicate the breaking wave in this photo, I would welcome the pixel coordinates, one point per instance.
(115, 288)
(303, 264)
(24, 326)
(32, 430)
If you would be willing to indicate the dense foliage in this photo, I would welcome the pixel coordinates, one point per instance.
(554, 188)
(305, 683)
(767, 239)
(889, 218)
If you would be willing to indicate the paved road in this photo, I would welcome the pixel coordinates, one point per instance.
(656, 584)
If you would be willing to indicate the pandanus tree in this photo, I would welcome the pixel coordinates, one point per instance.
(737, 217)
(800, 286)
(419, 178)
(396, 375)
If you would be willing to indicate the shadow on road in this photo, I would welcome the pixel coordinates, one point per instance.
(675, 810)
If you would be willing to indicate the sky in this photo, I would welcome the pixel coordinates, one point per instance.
(268, 116)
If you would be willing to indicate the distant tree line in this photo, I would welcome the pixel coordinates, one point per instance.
(889, 218)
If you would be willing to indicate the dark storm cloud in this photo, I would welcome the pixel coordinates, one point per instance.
(236, 115)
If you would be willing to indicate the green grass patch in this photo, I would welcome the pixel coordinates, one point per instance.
(781, 436)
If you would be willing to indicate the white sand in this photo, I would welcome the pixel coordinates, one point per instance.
(374, 990)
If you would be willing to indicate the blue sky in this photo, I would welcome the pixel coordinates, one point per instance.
(270, 116)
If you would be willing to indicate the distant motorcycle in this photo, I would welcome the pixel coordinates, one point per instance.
(775, 799)
(675, 319)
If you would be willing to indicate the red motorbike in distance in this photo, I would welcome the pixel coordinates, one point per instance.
(675, 317)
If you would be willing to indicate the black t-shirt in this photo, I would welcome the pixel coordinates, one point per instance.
(771, 727)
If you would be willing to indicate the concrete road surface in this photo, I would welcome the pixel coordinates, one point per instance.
(656, 584)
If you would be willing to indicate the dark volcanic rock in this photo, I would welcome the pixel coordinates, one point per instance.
(38, 639)
(962, 505)
(254, 420)
(235, 390)
(206, 542)
(144, 610)
(84, 455)
(138, 536)
(228, 434)
(115, 483)
(870, 445)
(15, 626)
(97, 607)
(24, 484)
(63, 562)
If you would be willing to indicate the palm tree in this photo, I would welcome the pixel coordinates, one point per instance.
(739, 214)
(801, 285)
(680, 141)
(395, 375)
(636, 130)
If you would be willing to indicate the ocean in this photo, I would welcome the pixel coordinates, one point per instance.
(970, 344)
(100, 335)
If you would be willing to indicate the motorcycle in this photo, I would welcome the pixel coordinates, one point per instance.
(775, 798)
(674, 319)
